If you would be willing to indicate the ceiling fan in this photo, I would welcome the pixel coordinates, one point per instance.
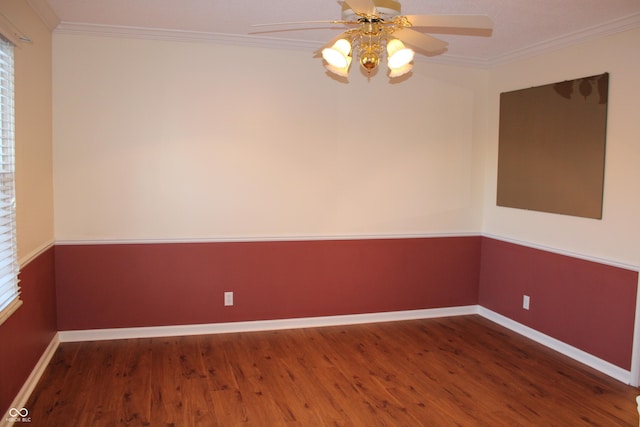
(379, 29)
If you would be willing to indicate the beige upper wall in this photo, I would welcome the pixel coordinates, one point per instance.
(33, 131)
(616, 237)
(167, 140)
(173, 140)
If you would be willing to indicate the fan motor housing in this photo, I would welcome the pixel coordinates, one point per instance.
(387, 9)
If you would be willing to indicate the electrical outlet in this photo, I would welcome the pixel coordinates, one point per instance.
(525, 302)
(228, 299)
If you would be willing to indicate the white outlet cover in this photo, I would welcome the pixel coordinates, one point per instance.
(525, 302)
(228, 299)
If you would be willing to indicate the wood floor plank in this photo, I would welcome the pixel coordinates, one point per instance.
(122, 388)
(180, 393)
(52, 396)
(458, 371)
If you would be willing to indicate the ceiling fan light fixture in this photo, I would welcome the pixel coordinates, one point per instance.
(338, 54)
(376, 29)
(398, 55)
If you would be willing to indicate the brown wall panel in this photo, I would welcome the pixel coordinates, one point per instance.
(552, 147)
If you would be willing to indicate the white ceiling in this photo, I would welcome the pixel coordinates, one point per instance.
(521, 27)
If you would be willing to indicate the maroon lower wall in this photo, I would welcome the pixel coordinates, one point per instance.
(588, 305)
(27, 333)
(136, 285)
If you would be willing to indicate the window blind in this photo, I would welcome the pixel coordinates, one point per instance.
(9, 289)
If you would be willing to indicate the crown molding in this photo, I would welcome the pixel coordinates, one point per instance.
(45, 12)
(608, 28)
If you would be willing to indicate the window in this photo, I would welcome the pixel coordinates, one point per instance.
(9, 289)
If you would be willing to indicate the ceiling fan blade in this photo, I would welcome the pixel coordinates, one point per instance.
(479, 22)
(363, 7)
(302, 22)
(420, 41)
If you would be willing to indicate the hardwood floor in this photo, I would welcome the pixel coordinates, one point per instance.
(458, 371)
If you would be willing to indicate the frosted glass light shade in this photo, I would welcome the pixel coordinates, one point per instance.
(397, 72)
(338, 54)
(340, 71)
(398, 55)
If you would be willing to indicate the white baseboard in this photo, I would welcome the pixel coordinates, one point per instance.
(351, 319)
(261, 325)
(559, 346)
(23, 395)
